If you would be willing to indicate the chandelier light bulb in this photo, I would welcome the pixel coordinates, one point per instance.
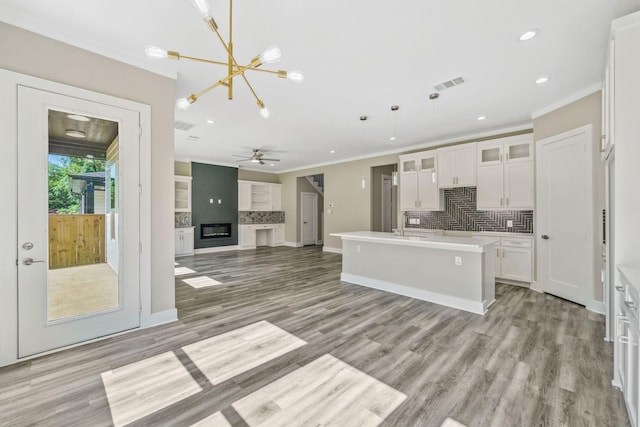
(295, 76)
(155, 52)
(271, 55)
(183, 104)
(264, 111)
(202, 6)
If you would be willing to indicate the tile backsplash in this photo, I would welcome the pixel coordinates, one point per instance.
(261, 217)
(460, 214)
(183, 219)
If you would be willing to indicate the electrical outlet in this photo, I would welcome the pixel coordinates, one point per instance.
(458, 260)
(509, 223)
(211, 201)
(219, 201)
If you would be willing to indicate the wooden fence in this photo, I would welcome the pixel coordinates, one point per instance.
(76, 240)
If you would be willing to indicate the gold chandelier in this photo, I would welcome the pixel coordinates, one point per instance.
(271, 55)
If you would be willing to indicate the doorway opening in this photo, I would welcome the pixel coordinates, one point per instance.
(384, 198)
(310, 200)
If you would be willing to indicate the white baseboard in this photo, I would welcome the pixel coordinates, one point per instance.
(596, 306)
(293, 244)
(320, 242)
(332, 250)
(159, 318)
(476, 307)
(216, 249)
(534, 287)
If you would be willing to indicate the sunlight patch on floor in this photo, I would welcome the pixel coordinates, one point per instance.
(142, 388)
(201, 282)
(224, 356)
(326, 392)
(181, 271)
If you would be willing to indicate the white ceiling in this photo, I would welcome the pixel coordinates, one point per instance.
(359, 57)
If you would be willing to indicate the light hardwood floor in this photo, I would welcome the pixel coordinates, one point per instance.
(532, 360)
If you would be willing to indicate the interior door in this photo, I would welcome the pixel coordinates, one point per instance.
(564, 213)
(308, 218)
(387, 204)
(40, 328)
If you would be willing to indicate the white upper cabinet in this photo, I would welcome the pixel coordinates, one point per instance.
(505, 173)
(259, 196)
(457, 166)
(419, 183)
(182, 199)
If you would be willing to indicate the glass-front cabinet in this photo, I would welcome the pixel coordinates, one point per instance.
(419, 182)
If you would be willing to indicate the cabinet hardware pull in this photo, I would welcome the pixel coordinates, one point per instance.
(507, 201)
(500, 201)
(502, 253)
(630, 304)
(620, 288)
(498, 252)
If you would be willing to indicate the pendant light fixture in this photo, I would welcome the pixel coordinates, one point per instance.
(394, 175)
(271, 55)
(394, 109)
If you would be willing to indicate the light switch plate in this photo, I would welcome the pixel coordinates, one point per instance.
(509, 223)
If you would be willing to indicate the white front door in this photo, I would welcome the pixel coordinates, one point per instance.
(564, 215)
(309, 207)
(105, 302)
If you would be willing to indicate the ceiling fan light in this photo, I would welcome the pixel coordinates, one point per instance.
(202, 6)
(75, 133)
(295, 76)
(155, 52)
(255, 160)
(271, 55)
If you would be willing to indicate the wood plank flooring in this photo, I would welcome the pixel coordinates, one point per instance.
(532, 360)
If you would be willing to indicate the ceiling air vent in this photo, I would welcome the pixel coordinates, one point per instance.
(182, 125)
(449, 84)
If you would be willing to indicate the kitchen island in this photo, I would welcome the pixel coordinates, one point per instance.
(458, 272)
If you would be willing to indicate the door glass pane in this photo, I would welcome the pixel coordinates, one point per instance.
(82, 215)
(520, 151)
(491, 154)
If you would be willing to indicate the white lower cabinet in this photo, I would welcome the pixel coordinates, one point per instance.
(184, 241)
(514, 257)
(251, 236)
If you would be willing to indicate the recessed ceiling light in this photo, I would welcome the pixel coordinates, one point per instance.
(272, 164)
(210, 122)
(332, 151)
(76, 134)
(482, 117)
(528, 35)
(542, 80)
(363, 118)
(393, 138)
(78, 117)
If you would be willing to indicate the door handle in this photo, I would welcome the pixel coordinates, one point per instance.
(545, 237)
(29, 261)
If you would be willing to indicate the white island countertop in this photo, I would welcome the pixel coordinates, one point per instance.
(464, 244)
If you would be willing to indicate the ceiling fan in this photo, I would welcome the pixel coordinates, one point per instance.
(256, 157)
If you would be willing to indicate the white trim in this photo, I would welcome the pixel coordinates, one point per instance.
(595, 306)
(421, 294)
(61, 34)
(332, 250)
(568, 100)
(293, 244)
(534, 287)
(160, 318)
(217, 249)
(320, 242)
(461, 138)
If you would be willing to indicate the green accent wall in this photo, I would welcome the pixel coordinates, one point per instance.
(217, 183)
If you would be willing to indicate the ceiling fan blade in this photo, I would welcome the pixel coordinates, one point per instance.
(270, 160)
(243, 160)
(244, 157)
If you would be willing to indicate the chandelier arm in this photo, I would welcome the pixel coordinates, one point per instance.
(210, 61)
(221, 82)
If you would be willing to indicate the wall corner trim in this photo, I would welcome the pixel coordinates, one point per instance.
(332, 250)
(159, 318)
(567, 100)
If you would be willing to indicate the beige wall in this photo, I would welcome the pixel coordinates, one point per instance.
(580, 113)
(246, 175)
(351, 209)
(28, 53)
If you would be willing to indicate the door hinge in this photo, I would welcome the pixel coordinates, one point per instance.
(139, 130)
(140, 307)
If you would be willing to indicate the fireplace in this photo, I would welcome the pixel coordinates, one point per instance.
(215, 231)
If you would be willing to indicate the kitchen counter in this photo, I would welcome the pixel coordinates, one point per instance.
(458, 272)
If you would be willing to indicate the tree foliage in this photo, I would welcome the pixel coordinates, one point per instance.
(61, 200)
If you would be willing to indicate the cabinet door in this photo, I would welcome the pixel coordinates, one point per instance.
(428, 193)
(516, 264)
(518, 185)
(631, 370)
(178, 243)
(247, 237)
(446, 168)
(498, 250)
(244, 196)
(489, 153)
(466, 165)
(182, 194)
(408, 164)
(490, 187)
(278, 234)
(187, 242)
(408, 191)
